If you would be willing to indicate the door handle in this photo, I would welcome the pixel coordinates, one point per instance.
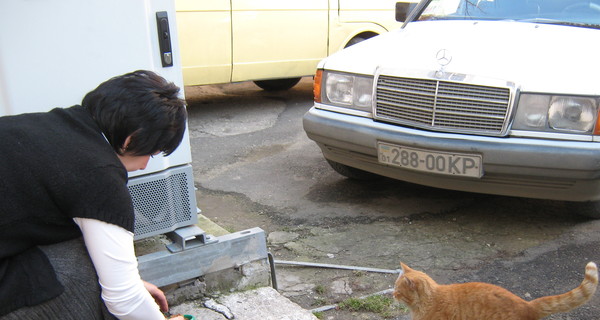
(164, 39)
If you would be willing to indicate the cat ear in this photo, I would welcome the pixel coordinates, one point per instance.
(405, 268)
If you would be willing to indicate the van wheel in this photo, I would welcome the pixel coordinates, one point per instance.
(354, 41)
(277, 84)
(589, 209)
(352, 173)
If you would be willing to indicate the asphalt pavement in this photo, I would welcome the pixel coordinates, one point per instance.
(255, 167)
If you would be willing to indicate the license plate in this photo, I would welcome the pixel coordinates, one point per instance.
(457, 164)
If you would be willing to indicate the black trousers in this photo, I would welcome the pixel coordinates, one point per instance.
(81, 298)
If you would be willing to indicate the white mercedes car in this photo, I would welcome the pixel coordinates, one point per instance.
(498, 96)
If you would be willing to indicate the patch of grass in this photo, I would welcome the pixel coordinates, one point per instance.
(319, 302)
(358, 273)
(320, 289)
(382, 305)
(372, 304)
(319, 315)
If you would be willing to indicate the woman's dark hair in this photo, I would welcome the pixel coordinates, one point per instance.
(140, 104)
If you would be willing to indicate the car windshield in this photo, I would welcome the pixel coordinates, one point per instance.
(570, 12)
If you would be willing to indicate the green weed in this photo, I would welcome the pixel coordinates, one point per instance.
(320, 289)
(382, 305)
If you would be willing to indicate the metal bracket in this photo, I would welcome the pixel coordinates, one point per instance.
(188, 237)
(228, 251)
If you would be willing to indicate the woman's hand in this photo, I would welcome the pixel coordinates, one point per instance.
(159, 297)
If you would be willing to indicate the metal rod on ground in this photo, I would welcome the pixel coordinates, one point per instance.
(335, 266)
(333, 306)
(273, 275)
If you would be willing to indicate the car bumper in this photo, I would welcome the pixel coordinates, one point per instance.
(523, 167)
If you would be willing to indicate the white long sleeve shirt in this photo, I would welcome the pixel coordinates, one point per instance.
(111, 250)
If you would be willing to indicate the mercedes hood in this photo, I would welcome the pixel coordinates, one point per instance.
(534, 57)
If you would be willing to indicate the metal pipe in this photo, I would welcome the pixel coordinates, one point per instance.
(272, 265)
(335, 266)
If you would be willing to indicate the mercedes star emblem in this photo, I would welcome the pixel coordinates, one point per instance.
(443, 57)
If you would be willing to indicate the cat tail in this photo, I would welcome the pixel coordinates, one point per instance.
(572, 299)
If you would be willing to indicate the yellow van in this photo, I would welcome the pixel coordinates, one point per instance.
(271, 42)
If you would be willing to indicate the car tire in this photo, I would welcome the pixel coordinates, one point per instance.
(352, 173)
(277, 84)
(589, 209)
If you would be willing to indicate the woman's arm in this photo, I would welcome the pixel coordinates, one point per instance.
(123, 291)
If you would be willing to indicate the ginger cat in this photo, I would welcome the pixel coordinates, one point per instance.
(428, 300)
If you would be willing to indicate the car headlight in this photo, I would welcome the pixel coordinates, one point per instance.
(347, 90)
(568, 114)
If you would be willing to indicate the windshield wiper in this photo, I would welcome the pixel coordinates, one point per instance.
(560, 22)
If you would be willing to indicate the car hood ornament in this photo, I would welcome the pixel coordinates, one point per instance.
(443, 57)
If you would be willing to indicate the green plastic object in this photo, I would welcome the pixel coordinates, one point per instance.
(188, 317)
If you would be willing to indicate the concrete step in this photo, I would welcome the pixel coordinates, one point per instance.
(259, 304)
